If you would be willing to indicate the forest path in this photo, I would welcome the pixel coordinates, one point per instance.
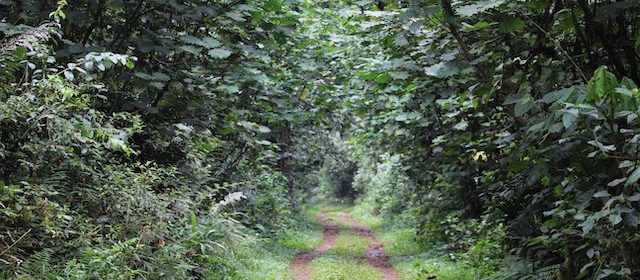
(375, 255)
(300, 264)
(349, 250)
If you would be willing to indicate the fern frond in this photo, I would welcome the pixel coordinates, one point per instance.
(37, 266)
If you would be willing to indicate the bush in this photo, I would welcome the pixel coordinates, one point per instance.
(385, 184)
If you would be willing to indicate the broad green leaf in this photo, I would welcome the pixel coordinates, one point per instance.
(523, 103)
(273, 5)
(635, 197)
(588, 225)
(511, 24)
(537, 127)
(569, 117)
(590, 253)
(191, 49)
(615, 218)
(478, 26)
(235, 16)
(558, 95)
(617, 182)
(479, 7)
(462, 125)
(601, 83)
(228, 88)
(219, 53)
(551, 223)
(441, 70)
(635, 175)
(601, 194)
(523, 107)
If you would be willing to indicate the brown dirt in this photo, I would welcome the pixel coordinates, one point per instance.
(300, 264)
(375, 255)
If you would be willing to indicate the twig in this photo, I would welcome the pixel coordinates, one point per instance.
(584, 77)
(16, 242)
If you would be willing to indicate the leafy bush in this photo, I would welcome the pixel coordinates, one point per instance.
(385, 185)
(116, 190)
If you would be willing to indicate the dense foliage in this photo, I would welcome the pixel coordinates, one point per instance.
(142, 139)
(507, 116)
(150, 139)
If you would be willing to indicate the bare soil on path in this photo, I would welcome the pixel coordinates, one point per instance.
(299, 266)
(375, 255)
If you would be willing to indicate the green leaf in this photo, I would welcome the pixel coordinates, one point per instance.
(191, 49)
(68, 75)
(588, 225)
(569, 117)
(462, 125)
(228, 88)
(273, 5)
(561, 95)
(478, 26)
(635, 197)
(219, 53)
(601, 83)
(551, 223)
(401, 40)
(601, 194)
(254, 126)
(635, 175)
(523, 107)
(206, 42)
(537, 127)
(441, 70)
(263, 129)
(130, 64)
(524, 103)
(628, 83)
(194, 222)
(590, 253)
(615, 218)
(510, 25)
(235, 16)
(617, 182)
(479, 7)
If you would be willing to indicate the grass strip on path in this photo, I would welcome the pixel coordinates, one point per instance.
(299, 265)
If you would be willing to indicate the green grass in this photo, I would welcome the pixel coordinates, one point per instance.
(343, 261)
(406, 255)
(333, 266)
(270, 260)
(348, 244)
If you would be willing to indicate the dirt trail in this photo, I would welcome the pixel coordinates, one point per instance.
(299, 265)
(375, 255)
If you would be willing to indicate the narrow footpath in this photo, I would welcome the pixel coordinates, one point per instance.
(370, 261)
(300, 264)
(375, 255)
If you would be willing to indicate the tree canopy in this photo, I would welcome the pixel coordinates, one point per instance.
(149, 138)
